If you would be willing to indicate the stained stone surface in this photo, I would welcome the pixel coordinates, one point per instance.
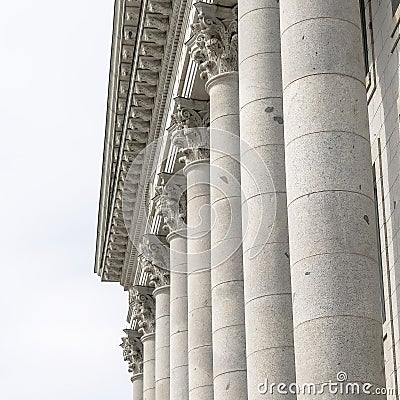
(226, 232)
(330, 207)
(268, 305)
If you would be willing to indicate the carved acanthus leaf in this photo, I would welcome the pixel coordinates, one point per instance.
(194, 144)
(189, 130)
(214, 44)
(132, 352)
(154, 259)
(143, 310)
(171, 202)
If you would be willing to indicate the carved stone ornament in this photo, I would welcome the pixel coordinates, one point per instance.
(193, 144)
(190, 133)
(133, 352)
(214, 44)
(143, 310)
(154, 259)
(171, 202)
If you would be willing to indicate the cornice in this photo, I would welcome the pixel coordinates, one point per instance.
(135, 120)
(133, 94)
(125, 28)
(179, 24)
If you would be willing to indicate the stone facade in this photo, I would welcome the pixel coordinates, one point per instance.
(250, 197)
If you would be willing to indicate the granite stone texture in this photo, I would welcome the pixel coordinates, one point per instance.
(335, 282)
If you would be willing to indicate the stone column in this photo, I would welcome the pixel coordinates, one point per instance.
(162, 298)
(144, 311)
(194, 143)
(156, 256)
(149, 366)
(179, 317)
(214, 47)
(172, 205)
(137, 386)
(269, 325)
(133, 354)
(333, 251)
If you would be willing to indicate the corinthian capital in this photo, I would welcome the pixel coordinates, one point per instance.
(171, 201)
(143, 309)
(133, 351)
(190, 113)
(155, 260)
(214, 44)
(189, 130)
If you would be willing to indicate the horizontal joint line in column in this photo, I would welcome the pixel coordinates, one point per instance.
(163, 316)
(336, 316)
(149, 360)
(229, 326)
(235, 156)
(229, 372)
(316, 18)
(328, 131)
(199, 387)
(199, 235)
(324, 73)
(162, 379)
(199, 347)
(260, 194)
(226, 282)
(197, 196)
(267, 295)
(263, 245)
(239, 238)
(163, 347)
(226, 198)
(178, 298)
(328, 191)
(179, 272)
(268, 348)
(199, 308)
(258, 9)
(198, 272)
(179, 367)
(257, 54)
(242, 106)
(179, 252)
(148, 389)
(223, 116)
(333, 253)
(178, 332)
(261, 146)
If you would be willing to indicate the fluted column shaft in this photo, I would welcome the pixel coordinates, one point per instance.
(199, 281)
(333, 252)
(179, 379)
(137, 386)
(148, 341)
(226, 239)
(269, 326)
(162, 345)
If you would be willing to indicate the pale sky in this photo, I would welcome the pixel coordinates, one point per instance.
(60, 328)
